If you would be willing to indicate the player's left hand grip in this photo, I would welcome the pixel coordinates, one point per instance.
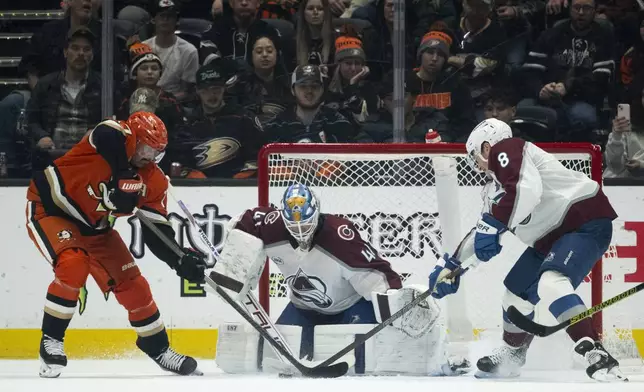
(125, 192)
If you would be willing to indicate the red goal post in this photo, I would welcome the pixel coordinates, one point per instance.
(399, 172)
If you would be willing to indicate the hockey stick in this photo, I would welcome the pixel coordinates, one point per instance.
(319, 371)
(257, 310)
(530, 326)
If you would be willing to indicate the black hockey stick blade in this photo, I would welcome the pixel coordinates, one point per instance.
(517, 318)
(332, 371)
(363, 338)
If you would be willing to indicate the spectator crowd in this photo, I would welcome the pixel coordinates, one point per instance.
(229, 76)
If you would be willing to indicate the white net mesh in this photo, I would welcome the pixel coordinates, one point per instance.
(396, 204)
(623, 319)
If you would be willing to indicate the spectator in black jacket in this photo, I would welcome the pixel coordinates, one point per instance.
(314, 35)
(481, 51)
(237, 28)
(442, 101)
(380, 49)
(570, 68)
(308, 121)
(266, 89)
(65, 104)
(517, 18)
(631, 67)
(221, 139)
(419, 16)
(145, 72)
(45, 53)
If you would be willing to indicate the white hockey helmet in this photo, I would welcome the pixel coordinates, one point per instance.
(491, 131)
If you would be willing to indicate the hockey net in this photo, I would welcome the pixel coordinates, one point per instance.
(413, 202)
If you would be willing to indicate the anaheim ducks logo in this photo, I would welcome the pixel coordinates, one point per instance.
(216, 151)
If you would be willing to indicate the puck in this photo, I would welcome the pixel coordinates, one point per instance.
(285, 375)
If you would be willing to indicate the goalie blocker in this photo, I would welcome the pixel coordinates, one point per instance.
(414, 345)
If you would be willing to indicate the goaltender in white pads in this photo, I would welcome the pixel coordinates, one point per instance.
(339, 287)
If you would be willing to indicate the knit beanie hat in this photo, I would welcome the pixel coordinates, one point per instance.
(141, 53)
(438, 40)
(349, 47)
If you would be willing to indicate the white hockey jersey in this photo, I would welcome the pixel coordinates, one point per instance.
(339, 269)
(534, 195)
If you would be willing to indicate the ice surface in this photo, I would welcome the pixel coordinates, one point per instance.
(142, 375)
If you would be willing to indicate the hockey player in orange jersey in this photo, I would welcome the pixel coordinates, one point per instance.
(71, 210)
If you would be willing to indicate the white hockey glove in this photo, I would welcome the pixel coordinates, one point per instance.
(417, 321)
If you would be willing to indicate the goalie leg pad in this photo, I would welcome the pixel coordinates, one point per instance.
(415, 322)
(241, 351)
(240, 264)
(389, 352)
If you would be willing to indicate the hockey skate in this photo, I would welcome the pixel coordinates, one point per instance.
(505, 362)
(52, 357)
(174, 362)
(603, 367)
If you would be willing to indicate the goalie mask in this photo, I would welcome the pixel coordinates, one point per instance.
(300, 212)
(491, 131)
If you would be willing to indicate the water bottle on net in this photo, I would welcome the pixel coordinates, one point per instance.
(432, 137)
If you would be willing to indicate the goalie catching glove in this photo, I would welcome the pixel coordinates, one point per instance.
(417, 321)
(444, 267)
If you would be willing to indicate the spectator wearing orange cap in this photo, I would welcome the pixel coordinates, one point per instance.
(441, 100)
(348, 92)
(145, 72)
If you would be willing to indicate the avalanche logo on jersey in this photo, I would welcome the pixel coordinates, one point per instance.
(492, 194)
(309, 289)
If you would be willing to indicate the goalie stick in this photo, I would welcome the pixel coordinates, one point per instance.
(517, 318)
(250, 303)
(319, 371)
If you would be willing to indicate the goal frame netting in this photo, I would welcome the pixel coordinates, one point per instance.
(314, 149)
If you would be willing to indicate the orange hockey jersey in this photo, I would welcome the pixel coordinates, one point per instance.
(76, 185)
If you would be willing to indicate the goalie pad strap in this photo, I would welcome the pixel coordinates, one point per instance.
(383, 307)
(226, 282)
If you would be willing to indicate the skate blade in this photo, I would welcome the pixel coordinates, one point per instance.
(49, 371)
(613, 375)
(485, 375)
(196, 372)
